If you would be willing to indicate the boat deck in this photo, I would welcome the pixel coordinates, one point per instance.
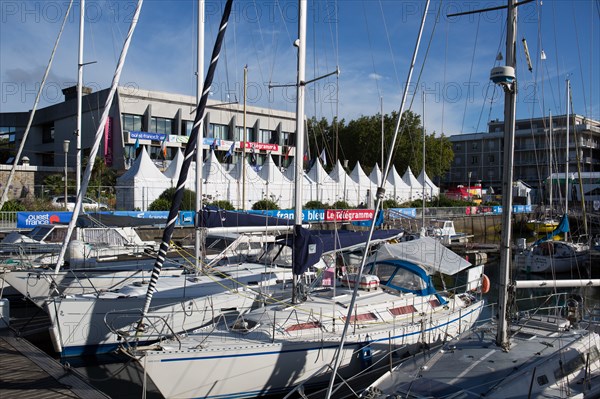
(28, 372)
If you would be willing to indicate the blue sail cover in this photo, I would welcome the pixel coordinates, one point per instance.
(327, 241)
(307, 250)
(563, 227)
(216, 217)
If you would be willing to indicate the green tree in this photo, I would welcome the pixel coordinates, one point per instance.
(164, 200)
(264, 205)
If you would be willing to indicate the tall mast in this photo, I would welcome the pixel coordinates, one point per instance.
(300, 83)
(245, 141)
(550, 160)
(510, 90)
(199, 164)
(382, 131)
(423, 195)
(79, 98)
(567, 157)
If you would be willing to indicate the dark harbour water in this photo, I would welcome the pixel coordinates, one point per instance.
(121, 377)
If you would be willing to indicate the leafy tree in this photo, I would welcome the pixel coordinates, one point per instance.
(390, 203)
(315, 205)
(187, 204)
(102, 180)
(264, 205)
(13, 206)
(340, 205)
(160, 204)
(55, 184)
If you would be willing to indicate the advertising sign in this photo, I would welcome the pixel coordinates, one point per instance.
(28, 220)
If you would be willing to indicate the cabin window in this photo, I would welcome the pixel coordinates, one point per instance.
(384, 272)
(407, 280)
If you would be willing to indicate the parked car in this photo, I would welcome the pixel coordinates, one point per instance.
(87, 203)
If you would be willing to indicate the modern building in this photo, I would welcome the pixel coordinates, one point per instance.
(478, 157)
(162, 122)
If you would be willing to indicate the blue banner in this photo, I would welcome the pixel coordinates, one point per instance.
(147, 136)
(396, 212)
(28, 220)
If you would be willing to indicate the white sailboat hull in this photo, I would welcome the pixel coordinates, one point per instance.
(219, 364)
(559, 257)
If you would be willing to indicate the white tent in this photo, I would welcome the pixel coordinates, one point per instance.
(217, 183)
(172, 171)
(416, 188)
(141, 184)
(346, 188)
(398, 189)
(364, 193)
(308, 185)
(246, 185)
(325, 186)
(277, 187)
(431, 190)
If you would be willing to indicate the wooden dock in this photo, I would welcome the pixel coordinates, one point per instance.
(28, 372)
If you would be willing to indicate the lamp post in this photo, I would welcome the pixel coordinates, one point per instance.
(66, 150)
(469, 187)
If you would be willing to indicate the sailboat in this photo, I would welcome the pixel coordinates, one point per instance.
(537, 354)
(547, 223)
(549, 254)
(393, 307)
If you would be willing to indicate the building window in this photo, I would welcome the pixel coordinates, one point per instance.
(7, 147)
(218, 131)
(161, 125)
(132, 123)
(48, 134)
(474, 145)
(457, 147)
(491, 158)
(268, 136)
(186, 127)
(285, 138)
(239, 133)
(474, 160)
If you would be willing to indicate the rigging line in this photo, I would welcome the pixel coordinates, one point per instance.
(387, 35)
(262, 40)
(11, 175)
(579, 55)
(371, 48)
(462, 127)
(99, 133)
(558, 75)
(494, 87)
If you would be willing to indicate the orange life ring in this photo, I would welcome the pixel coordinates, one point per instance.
(485, 284)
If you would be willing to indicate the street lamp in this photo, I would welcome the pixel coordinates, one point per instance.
(469, 187)
(66, 150)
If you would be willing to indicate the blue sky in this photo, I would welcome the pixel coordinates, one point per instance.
(370, 40)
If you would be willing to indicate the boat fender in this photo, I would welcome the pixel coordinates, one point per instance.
(485, 284)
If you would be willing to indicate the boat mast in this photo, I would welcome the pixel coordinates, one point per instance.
(510, 90)
(300, 85)
(79, 99)
(379, 200)
(423, 191)
(550, 160)
(199, 163)
(567, 158)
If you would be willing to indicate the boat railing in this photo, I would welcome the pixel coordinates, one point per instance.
(150, 327)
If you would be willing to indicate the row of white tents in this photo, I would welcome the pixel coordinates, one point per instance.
(144, 182)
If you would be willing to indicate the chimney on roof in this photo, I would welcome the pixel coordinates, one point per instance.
(70, 93)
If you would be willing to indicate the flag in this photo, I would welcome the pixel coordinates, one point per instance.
(306, 156)
(163, 147)
(324, 157)
(287, 153)
(230, 151)
(137, 143)
(252, 157)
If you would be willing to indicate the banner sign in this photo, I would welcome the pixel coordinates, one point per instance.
(28, 220)
(147, 136)
(348, 215)
(108, 142)
(259, 146)
(308, 215)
